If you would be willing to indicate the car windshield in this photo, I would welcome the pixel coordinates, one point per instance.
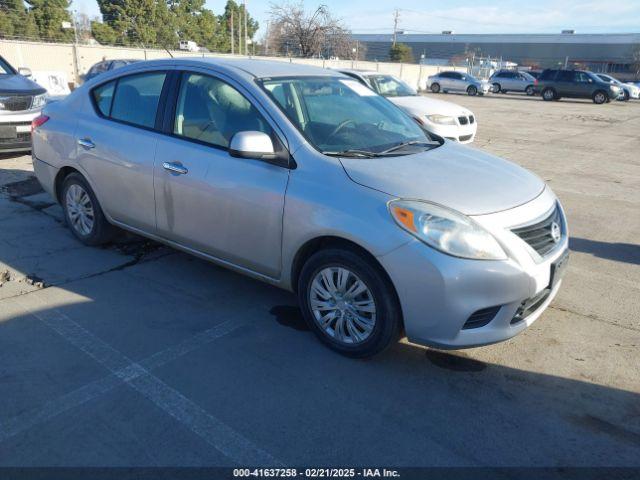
(389, 86)
(340, 116)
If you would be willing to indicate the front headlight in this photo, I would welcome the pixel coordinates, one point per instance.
(446, 230)
(39, 101)
(441, 119)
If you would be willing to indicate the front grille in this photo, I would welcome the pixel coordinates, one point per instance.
(530, 305)
(16, 103)
(481, 318)
(464, 138)
(472, 119)
(539, 235)
(463, 120)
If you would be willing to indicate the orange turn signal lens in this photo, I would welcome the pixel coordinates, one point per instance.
(404, 216)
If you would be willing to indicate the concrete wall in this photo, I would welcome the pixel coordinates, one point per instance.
(76, 60)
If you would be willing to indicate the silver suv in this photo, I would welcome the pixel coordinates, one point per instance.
(21, 100)
(504, 81)
(306, 179)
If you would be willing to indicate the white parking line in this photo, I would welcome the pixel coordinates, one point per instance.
(213, 431)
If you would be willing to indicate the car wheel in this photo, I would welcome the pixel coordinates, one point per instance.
(435, 87)
(83, 213)
(472, 90)
(529, 90)
(548, 94)
(600, 97)
(496, 88)
(626, 96)
(349, 303)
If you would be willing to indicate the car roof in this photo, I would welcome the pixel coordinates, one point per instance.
(361, 72)
(252, 67)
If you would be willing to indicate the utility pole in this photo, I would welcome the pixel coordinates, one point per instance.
(246, 33)
(266, 40)
(239, 32)
(396, 17)
(233, 41)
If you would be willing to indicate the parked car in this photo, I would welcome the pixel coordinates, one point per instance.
(21, 100)
(106, 66)
(445, 119)
(534, 73)
(555, 84)
(512, 81)
(626, 91)
(304, 178)
(457, 82)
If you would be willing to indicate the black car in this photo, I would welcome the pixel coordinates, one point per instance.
(555, 84)
(21, 100)
(107, 65)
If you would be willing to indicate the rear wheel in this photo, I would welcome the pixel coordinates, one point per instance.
(83, 213)
(349, 303)
(472, 90)
(600, 97)
(549, 94)
(496, 88)
(529, 90)
(435, 87)
(625, 96)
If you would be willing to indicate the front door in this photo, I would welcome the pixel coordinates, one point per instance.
(230, 208)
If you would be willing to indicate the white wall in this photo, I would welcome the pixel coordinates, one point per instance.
(76, 60)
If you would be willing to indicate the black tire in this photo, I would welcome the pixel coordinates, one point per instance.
(472, 90)
(599, 97)
(386, 329)
(626, 96)
(101, 231)
(529, 90)
(549, 94)
(497, 88)
(435, 87)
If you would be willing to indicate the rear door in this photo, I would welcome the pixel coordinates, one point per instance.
(117, 143)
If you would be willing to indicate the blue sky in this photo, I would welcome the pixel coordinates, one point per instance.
(463, 16)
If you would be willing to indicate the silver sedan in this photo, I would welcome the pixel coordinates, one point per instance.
(306, 179)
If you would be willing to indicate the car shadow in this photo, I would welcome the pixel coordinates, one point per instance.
(616, 251)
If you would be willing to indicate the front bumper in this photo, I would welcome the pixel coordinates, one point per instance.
(439, 293)
(458, 133)
(21, 122)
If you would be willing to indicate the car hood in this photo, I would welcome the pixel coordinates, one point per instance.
(20, 85)
(452, 175)
(427, 106)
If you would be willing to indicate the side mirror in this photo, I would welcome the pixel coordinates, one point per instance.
(25, 72)
(256, 145)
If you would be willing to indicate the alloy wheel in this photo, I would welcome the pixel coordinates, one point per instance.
(79, 210)
(342, 304)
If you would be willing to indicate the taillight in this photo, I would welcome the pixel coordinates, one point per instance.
(535, 82)
(38, 121)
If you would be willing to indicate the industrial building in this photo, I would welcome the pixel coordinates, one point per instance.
(598, 52)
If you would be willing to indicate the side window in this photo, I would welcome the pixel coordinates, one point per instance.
(565, 76)
(212, 111)
(444, 75)
(137, 97)
(103, 95)
(582, 77)
(548, 75)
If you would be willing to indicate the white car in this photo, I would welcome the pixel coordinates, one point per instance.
(445, 119)
(628, 91)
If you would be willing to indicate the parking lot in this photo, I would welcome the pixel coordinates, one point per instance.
(138, 355)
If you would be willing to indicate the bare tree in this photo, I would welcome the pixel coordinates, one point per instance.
(294, 31)
(635, 60)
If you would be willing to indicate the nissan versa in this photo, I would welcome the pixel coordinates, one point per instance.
(307, 179)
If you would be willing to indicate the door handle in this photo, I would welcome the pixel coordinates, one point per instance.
(86, 143)
(175, 168)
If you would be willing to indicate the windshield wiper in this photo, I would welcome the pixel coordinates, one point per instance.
(405, 144)
(353, 153)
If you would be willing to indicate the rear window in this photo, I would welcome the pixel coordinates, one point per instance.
(136, 98)
(548, 75)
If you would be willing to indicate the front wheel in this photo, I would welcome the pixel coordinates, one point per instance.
(349, 303)
(83, 213)
(472, 90)
(529, 90)
(626, 96)
(496, 88)
(435, 87)
(600, 97)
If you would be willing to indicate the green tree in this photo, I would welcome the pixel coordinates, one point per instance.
(132, 22)
(401, 52)
(224, 20)
(195, 22)
(16, 20)
(49, 16)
